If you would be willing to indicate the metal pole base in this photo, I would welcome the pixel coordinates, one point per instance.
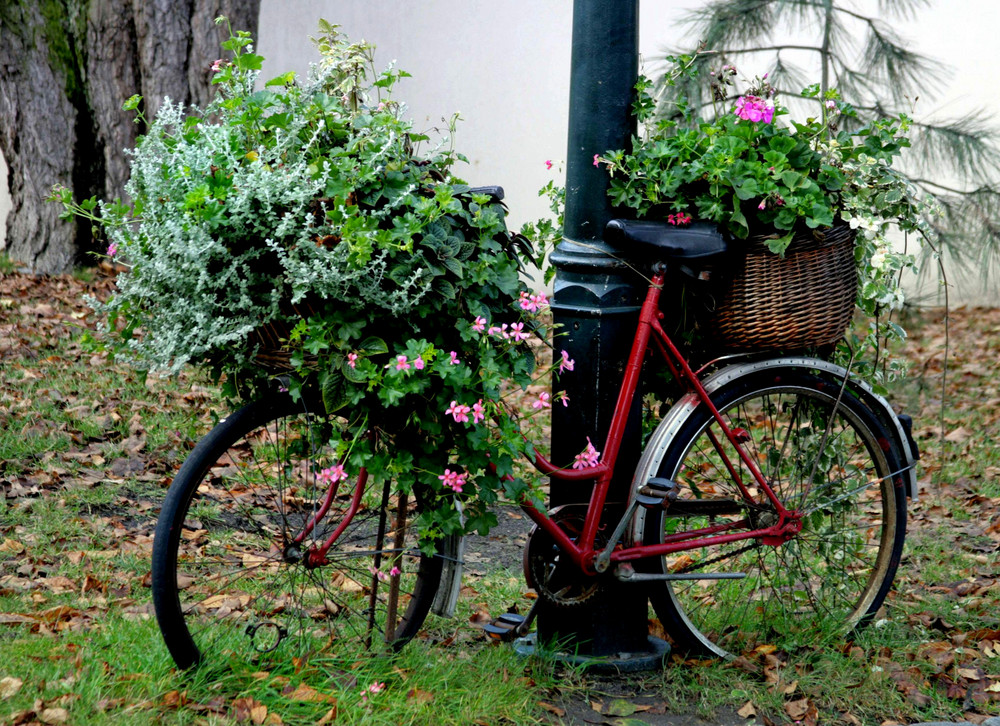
(632, 662)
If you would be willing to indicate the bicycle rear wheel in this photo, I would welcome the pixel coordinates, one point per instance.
(824, 454)
(230, 582)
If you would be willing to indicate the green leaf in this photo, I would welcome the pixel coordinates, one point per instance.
(373, 345)
(286, 79)
(333, 390)
(352, 373)
(778, 245)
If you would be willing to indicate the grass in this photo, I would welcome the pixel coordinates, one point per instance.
(87, 449)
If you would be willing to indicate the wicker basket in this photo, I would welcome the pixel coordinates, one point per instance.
(271, 340)
(802, 300)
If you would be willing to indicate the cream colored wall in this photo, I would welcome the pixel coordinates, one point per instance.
(504, 64)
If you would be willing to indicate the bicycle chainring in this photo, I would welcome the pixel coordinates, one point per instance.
(550, 571)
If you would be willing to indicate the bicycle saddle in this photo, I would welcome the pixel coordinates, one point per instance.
(494, 191)
(663, 241)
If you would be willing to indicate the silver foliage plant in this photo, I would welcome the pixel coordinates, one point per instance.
(251, 205)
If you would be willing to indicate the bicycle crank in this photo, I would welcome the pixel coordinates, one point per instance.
(550, 571)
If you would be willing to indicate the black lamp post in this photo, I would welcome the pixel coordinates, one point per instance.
(596, 302)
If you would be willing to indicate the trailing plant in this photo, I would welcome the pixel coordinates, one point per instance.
(305, 211)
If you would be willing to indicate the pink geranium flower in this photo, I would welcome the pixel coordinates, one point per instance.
(480, 324)
(402, 364)
(458, 411)
(754, 108)
(589, 458)
(543, 401)
(332, 475)
(453, 480)
(478, 412)
(566, 363)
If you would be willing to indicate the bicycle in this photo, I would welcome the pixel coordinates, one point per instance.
(770, 500)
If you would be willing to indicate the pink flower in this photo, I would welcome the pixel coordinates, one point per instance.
(352, 360)
(401, 363)
(567, 363)
(418, 363)
(382, 577)
(332, 475)
(112, 249)
(763, 203)
(532, 303)
(831, 105)
(217, 65)
(395, 571)
(542, 402)
(548, 163)
(478, 412)
(494, 330)
(679, 218)
(753, 108)
(374, 688)
(589, 458)
(480, 324)
(453, 480)
(597, 160)
(517, 332)
(454, 358)
(458, 412)
(563, 398)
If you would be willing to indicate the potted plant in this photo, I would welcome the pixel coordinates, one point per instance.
(810, 203)
(302, 229)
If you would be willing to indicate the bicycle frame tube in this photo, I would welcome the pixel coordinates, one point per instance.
(583, 552)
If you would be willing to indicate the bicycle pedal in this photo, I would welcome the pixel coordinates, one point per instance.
(657, 493)
(504, 627)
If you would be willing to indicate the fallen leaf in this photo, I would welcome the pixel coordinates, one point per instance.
(552, 708)
(309, 694)
(418, 696)
(9, 686)
(53, 715)
(797, 709)
(748, 710)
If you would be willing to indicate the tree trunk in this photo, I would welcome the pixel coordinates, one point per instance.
(66, 67)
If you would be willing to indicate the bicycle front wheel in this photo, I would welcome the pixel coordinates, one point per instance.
(826, 456)
(232, 574)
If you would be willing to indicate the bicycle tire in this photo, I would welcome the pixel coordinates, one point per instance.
(229, 583)
(828, 580)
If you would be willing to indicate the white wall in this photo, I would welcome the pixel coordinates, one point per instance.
(505, 66)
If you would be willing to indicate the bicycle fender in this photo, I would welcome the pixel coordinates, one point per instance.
(678, 414)
(452, 551)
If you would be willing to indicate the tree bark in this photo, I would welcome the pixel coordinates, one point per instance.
(66, 67)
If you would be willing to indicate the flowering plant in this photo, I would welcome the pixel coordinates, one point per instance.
(306, 208)
(753, 172)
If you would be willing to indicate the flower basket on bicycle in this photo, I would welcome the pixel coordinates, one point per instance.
(803, 299)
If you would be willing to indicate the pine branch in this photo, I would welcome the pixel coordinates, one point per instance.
(897, 70)
(967, 148)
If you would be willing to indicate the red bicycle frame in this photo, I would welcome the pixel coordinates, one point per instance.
(583, 552)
